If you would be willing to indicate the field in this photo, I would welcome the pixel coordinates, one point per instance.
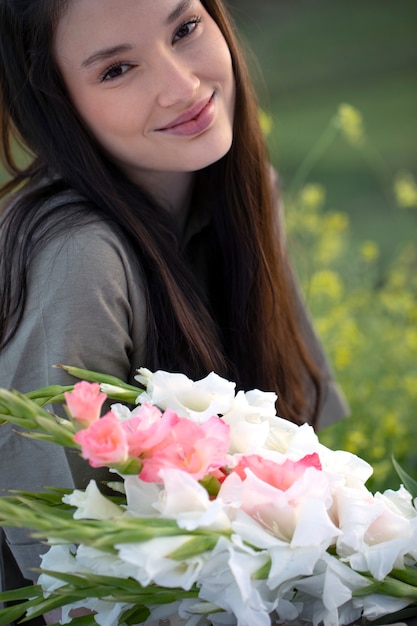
(314, 55)
(351, 232)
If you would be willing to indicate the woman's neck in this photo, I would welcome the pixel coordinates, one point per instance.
(172, 190)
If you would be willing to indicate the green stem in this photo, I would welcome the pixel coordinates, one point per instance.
(389, 587)
(96, 377)
(312, 157)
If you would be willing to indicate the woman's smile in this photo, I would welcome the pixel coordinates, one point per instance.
(194, 121)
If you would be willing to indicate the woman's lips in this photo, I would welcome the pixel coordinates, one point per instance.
(194, 121)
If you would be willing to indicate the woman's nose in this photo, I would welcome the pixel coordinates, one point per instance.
(177, 81)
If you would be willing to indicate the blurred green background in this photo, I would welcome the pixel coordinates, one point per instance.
(352, 238)
(315, 54)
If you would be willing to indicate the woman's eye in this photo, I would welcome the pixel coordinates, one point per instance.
(115, 71)
(186, 29)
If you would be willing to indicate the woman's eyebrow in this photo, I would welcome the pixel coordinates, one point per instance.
(106, 53)
(182, 6)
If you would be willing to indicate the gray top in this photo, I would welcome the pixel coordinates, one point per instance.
(85, 308)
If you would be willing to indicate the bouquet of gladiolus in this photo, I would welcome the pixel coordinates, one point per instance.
(220, 512)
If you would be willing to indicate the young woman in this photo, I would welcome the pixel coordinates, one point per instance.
(144, 230)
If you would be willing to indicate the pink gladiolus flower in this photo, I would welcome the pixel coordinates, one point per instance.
(148, 428)
(104, 442)
(85, 402)
(290, 500)
(192, 448)
(281, 476)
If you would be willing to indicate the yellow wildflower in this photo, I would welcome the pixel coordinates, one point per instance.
(369, 251)
(410, 385)
(327, 283)
(411, 339)
(350, 122)
(329, 249)
(265, 121)
(312, 196)
(343, 357)
(405, 189)
(336, 222)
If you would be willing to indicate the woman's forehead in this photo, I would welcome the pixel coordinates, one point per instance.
(102, 18)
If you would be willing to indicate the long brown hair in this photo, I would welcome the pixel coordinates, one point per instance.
(251, 333)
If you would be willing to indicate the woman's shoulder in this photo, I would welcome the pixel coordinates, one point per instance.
(86, 302)
(71, 247)
(88, 248)
(66, 225)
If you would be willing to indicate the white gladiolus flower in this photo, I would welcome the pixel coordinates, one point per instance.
(380, 559)
(197, 400)
(355, 470)
(356, 511)
(107, 613)
(142, 498)
(262, 400)
(58, 559)
(153, 562)
(224, 579)
(399, 502)
(91, 504)
(247, 520)
(289, 563)
(281, 432)
(249, 426)
(328, 592)
(377, 605)
(165, 613)
(106, 563)
(122, 411)
(186, 501)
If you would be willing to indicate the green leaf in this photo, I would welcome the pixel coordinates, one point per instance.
(48, 519)
(389, 587)
(36, 602)
(53, 394)
(128, 396)
(407, 575)
(43, 605)
(96, 377)
(263, 572)
(52, 495)
(21, 594)
(18, 409)
(12, 613)
(89, 585)
(211, 485)
(194, 546)
(409, 483)
(80, 581)
(135, 615)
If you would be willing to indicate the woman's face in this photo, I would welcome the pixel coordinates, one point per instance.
(152, 80)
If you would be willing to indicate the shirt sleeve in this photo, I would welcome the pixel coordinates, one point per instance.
(82, 309)
(85, 308)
